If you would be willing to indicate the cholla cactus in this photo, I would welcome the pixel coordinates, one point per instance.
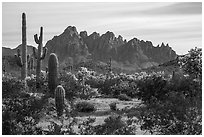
(59, 99)
(53, 72)
(22, 59)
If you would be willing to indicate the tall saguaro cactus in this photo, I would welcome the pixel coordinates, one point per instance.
(59, 99)
(41, 52)
(22, 59)
(53, 72)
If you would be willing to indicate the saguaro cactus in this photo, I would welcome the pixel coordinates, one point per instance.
(59, 99)
(22, 59)
(53, 72)
(40, 55)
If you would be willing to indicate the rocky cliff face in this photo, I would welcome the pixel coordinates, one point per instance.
(68, 45)
(79, 46)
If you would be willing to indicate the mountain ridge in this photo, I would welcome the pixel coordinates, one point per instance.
(81, 46)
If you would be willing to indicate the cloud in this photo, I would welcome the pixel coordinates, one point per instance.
(154, 21)
(183, 8)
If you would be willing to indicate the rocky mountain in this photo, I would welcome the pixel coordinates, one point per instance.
(74, 47)
(135, 53)
(68, 45)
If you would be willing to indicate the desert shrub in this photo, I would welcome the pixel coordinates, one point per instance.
(11, 86)
(69, 82)
(106, 86)
(113, 125)
(42, 85)
(61, 129)
(177, 111)
(124, 97)
(191, 63)
(113, 106)
(172, 107)
(94, 81)
(74, 87)
(152, 88)
(21, 115)
(85, 106)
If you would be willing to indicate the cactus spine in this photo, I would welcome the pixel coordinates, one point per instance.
(39, 56)
(52, 72)
(22, 59)
(59, 99)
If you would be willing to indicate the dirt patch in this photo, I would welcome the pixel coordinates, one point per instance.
(102, 112)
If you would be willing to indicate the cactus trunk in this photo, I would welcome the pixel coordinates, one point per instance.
(59, 100)
(24, 48)
(52, 72)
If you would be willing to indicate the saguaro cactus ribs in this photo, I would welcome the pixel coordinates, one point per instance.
(59, 99)
(53, 72)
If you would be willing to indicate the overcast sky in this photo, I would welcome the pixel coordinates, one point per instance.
(178, 24)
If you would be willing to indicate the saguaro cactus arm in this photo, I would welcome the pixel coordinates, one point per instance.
(36, 39)
(39, 40)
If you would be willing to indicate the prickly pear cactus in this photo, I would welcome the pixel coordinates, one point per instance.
(53, 72)
(59, 99)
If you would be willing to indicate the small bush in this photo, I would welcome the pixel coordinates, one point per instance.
(191, 63)
(85, 106)
(124, 97)
(113, 106)
(152, 88)
(111, 126)
(11, 86)
(20, 116)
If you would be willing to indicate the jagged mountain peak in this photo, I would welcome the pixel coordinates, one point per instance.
(94, 35)
(83, 34)
(108, 35)
(133, 42)
(101, 47)
(70, 31)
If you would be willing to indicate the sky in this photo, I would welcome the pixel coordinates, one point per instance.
(178, 24)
